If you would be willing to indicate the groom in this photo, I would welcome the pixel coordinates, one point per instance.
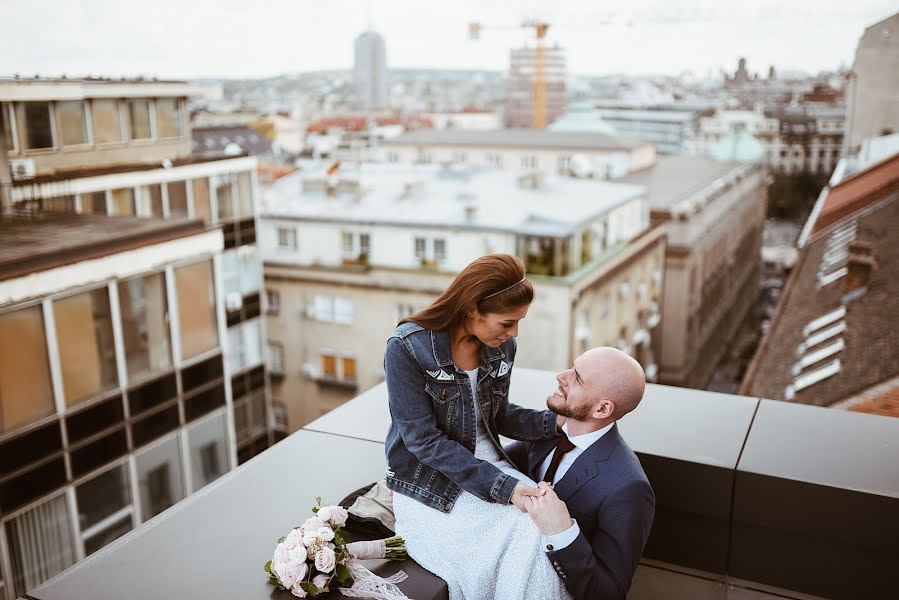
(598, 506)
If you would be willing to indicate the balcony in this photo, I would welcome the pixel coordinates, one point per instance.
(756, 499)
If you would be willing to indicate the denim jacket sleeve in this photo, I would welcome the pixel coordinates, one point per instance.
(524, 424)
(413, 415)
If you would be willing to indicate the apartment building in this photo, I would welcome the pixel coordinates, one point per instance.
(712, 214)
(99, 170)
(520, 151)
(347, 255)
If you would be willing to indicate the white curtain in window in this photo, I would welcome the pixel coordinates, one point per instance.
(40, 544)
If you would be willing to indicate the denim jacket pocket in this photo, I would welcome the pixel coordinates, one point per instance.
(445, 397)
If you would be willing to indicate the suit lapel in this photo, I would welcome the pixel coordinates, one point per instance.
(588, 465)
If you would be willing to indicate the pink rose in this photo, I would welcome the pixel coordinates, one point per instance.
(335, 515)
(325, 560)
(321, 581)
(297, 590)
(293, 539)
(281, 555)
(296, 572)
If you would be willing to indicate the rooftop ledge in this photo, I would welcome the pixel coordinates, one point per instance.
(755, 499)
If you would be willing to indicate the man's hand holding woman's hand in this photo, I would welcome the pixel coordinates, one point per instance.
(522, 491)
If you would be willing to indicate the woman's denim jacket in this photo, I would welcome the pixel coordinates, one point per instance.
(430, 445)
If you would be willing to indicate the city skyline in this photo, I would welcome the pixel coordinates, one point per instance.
(232, 39)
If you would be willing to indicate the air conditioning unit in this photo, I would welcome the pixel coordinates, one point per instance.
(310, 370)
(22, 168)
(233, 301)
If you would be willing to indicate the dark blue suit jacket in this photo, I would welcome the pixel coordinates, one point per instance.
(609, 496)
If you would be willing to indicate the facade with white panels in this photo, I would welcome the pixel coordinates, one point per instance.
(347, 256)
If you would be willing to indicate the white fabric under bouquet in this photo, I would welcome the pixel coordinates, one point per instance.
(315, 558)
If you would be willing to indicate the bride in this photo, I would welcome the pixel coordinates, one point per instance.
(458, 500)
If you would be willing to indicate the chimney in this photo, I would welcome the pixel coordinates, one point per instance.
(859, 265)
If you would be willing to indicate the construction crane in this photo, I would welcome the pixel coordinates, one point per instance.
(539, 83)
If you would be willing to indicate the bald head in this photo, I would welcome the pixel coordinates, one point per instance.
(610, 374)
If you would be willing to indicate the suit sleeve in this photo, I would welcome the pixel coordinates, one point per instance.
(601, 568)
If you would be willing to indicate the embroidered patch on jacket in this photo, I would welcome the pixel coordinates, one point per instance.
(441, 375)
(504, 368)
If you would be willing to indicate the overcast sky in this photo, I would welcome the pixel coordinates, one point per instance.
(246, 38)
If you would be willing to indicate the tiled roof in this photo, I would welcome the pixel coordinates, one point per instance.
(824, 344)
(858, 191)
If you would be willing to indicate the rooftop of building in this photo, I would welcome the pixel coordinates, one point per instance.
(857, 191)
(37, 242)
(828, 341)
(433, 196)
(759, 463)
(673, 180)
(216, 139)
(517, 138)
(112, 169)
(16, 88)
(657, 116)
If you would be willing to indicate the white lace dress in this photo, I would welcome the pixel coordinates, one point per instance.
(482, 550)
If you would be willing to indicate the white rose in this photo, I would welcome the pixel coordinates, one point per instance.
(326, 534)
(295, 573)
(310, 530)
(280, 571)
(281, 554)
(297, 554)
(325, 559)
(293, 539)
(335, 515)
(297, 590)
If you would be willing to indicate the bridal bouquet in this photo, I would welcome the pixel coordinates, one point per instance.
(315, 558)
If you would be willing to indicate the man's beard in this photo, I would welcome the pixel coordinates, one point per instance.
(577, 413)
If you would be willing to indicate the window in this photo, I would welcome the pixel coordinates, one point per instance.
(420, 247)
(223, 196)
(439, 249)
(459, 157)
(355, 246)
(563, 163)
(168, 118)
(349, 368)
(346, 243)
(8, 124)
(93, 203)
(287, 238)
(343, 311)
(403, 311)
(38, 127)
(107, 126)
(73, 124)
(201, 200)
(333, 309)
(364, 244)
(86, 347)
(245, 344)
(145, 325)
(207, 441)
(149, 203)
(276, 358)
(177, 191)
(196, 309)
(104, 508)
(272, 302)
(25, 385)
(529, 162)
(139, 113)
(245, 195)
(123, 201)
(240, 271)
(329, 365)
(40, 544)
(159, 477)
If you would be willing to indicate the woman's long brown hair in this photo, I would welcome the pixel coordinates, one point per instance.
(470, 290)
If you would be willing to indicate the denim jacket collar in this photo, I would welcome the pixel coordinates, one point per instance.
(443, 351)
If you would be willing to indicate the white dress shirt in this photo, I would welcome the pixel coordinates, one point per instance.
(581, 443)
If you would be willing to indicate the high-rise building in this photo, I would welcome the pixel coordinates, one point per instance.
(873, 94)
(370, 70)
(131, 358)
(522, 73)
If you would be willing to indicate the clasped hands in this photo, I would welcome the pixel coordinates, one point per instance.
(544, 507)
